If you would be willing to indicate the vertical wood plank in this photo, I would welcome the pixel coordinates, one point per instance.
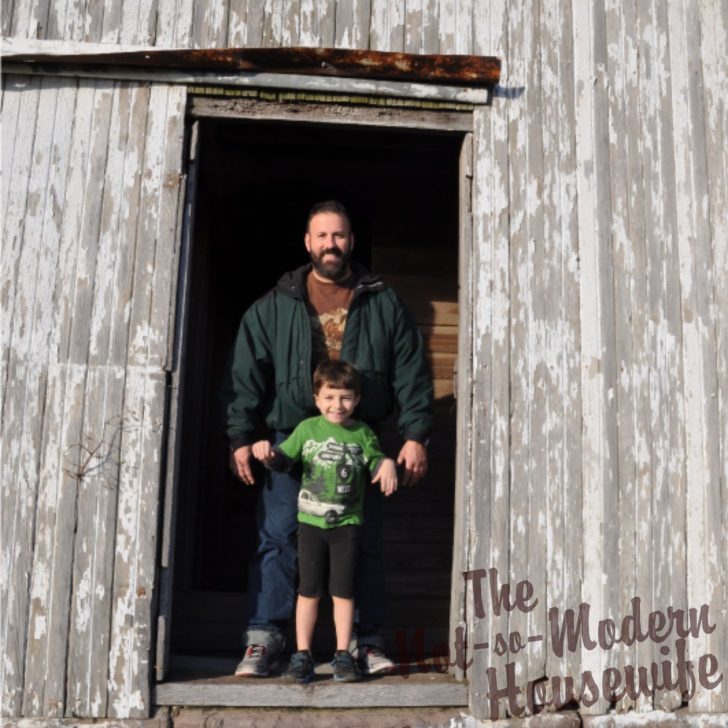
(255, 18)
(464, 35)
(237, 31)
(209, 25)
(632, 393)
(413, 27)
(489, 506)
(19, 493)
(12, 97)
(352, 23)
(447, 24)
(307, 24)
(93, 20)
(543, 315)
(75, 341)
(22, 96)
(177, 368)
(565, 563)
(431, 23)
(669, 549)
(714, 39)
(597, 326)
(6, 17)
(103, 423)
(523, 277)
(63, 425)
(137, 21)
(327, 21)
(135, 545)
(290, 28)
(387, 25)
(42, 236)
(316, 24)
(663, 321)
(170, 196)
(273, 25)
(56, 19)
(27, 19)
(174, 23)
(136, 531)
(705, 547)
(459, 609)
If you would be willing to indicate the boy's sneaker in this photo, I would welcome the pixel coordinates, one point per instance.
(258, 661)
(300, 668)
(374, 662)
(345, 669)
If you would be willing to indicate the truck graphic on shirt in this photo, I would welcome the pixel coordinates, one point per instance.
(309, 503)
(329, 477)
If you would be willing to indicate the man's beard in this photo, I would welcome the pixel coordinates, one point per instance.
(333, 270)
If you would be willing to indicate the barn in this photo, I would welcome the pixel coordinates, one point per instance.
(543, 183)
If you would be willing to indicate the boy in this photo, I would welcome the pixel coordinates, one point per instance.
(338, 453)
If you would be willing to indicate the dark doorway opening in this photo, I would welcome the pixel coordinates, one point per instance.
(255, 184)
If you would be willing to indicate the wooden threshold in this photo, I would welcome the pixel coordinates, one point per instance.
(210, 682)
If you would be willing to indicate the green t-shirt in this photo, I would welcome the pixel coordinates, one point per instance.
(337, 460)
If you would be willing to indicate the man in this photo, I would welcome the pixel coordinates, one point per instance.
(331, 308)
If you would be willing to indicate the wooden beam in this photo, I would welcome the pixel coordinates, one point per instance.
(331, 113)
(459, 70)
(415, 690)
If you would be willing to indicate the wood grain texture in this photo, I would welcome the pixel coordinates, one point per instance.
(597, 339)
(46, 609)
(20, 402)
(84, 152)
(404, 693)
(491, 460)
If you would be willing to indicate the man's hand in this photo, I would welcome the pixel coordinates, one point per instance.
(240, 464)
(414, 457)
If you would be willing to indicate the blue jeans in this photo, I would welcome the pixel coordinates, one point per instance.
(271, 579)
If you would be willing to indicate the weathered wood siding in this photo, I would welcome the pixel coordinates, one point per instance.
(91, 183)
(600, 470)
(599, 332)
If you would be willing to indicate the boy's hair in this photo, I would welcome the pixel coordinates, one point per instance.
(329, 206)
(336, 374)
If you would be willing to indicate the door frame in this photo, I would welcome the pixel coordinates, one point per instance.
(446, 117)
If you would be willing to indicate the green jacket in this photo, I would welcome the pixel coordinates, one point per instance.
(270, 379)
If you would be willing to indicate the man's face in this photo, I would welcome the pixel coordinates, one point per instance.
(329, 242)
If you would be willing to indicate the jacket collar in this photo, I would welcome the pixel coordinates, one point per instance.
(293, 283)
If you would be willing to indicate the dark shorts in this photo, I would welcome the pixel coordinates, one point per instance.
(322, 550)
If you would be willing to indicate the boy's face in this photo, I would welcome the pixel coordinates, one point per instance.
(336, 405)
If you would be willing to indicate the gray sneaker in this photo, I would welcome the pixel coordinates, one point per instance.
(373, 661)
(258, 661)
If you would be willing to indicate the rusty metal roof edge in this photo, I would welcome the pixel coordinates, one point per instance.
(282, 81)
(450, 70)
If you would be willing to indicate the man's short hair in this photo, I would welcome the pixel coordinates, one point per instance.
(336, 374)
(333, 206)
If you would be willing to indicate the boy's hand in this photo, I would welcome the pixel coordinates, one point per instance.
(386, 476)
(263, 451)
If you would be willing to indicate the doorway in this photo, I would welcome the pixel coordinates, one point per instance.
(256, 182)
